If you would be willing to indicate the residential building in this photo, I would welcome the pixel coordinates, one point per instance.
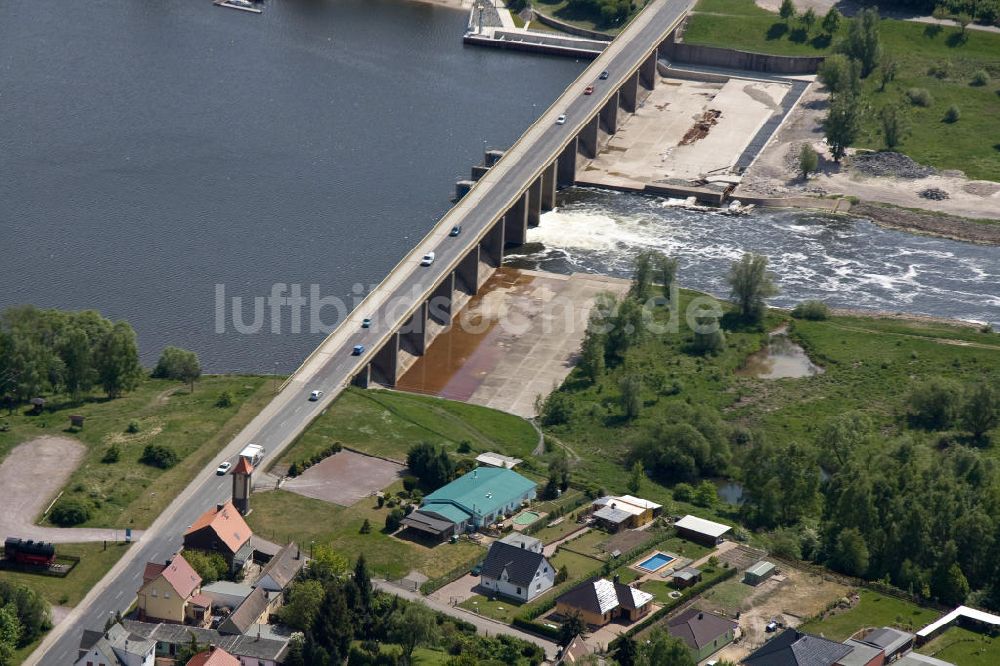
(226, 594)
(523, 541)
(250, 650)
(700, 530)
(115, 647)
(214, 656)
(279, 573)
(515, 572)
(703, 633)
(794, 648)
(625, 512)
(758, 573)
(685, 577)
(892, 642)
(255, 609)
(575, 652)
(599, 601)
(222, 530)
(475, 499)
(862, 655)
(915, 659)
(171, 592)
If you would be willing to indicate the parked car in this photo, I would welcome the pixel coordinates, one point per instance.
(604, 75)
(358, 350)
(315, 395)
(589, 90)
(561, 120)
(477, 570)
(366, 322)
(455, 230)
(771, 627)
(428, 259)
(223, 468)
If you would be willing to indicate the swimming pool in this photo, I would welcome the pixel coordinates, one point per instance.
(655, 563)
(525, 518)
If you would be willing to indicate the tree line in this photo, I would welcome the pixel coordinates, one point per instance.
(24, 617)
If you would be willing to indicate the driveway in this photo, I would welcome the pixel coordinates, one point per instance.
(457, 591)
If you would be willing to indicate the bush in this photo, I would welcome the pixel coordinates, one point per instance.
(919, 97)
(683, 492)
(934, 404)
(133, 427)
(952, 114)
(811, 310)
(465, 446)
(394, 520)
(940, 70)
(112, 455)
(293, 470)
(70, 511)
(366, 527)
(156, 455)
(980, 77)
(225, 399)
(410, 482)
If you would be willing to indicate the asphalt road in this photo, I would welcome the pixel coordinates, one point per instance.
(331, 367)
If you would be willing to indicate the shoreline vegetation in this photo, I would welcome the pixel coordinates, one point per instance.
(929, 222)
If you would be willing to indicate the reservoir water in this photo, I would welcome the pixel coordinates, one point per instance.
(152, 151)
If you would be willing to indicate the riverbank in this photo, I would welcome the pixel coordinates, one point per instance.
(986, 232)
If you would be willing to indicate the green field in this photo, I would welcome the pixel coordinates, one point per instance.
(740, 24)
(873, 610)
(961, 646)
(95, 561)
(388, 423)
(128, 493)
(581, 15)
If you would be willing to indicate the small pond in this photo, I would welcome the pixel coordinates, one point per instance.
(779, 359)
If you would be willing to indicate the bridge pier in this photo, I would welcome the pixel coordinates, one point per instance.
(385, 362)
(535, 202)
(491, 247)
(413, 333)
(467, 272)
(629, 93)
(439, 306)
(515, 221)
(363, 378)
(549, 178)
(566, 165)
(647, 72)
(587, 139)
(492, 157)
(609, 116)
(479, 171)
(462, 188)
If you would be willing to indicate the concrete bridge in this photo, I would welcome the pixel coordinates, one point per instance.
(504, 197)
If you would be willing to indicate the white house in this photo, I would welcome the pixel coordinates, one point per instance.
(515, 572)
(116, 647)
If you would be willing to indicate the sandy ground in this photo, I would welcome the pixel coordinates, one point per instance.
(774, 173)
(344, 478)
(31, 476)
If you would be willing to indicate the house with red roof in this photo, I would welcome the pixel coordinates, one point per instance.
(171, 592)
(222, 530)
(214, 656)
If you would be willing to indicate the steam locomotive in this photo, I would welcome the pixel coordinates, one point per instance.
(35, 553)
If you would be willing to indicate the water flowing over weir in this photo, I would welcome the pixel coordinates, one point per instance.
(847, 262)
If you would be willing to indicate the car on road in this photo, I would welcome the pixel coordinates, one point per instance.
(428, 259)
(358, 350)
(366, 322)
(589, 90)
(455, 230)
(315, 395)
(604, 75)
(561, 120)
(223, 468)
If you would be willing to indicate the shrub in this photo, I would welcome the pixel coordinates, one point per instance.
(940, 70)
(225, 399)
(919, 97)
(112, 455)
(464, 446)
(683, 492)
(410, 482)
(133, 427)
(366, 527)
(293, 470)
(980, 77)
(156, 455)
(394, 520)
(811, 310)
(70, 511)
(934, 404)
(952, 114)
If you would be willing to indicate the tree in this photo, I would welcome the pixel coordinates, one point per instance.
(850, 553)
(557, 409)
(626, 329)
(304, 600)
(863, 42)
(430, 463)
(934, 404)
(366, 527)
(631, 395)
(808, 160)
(559, 468)
(32, 610)
(786, 11)
(708, 335)
(333, 627)
(962, 20)
(572, 626)
(394, 519)
(750, 283)
(210, 565)
(705, 494)
(808, 20)
(157, 455)
(666, 269)
(10, 633)
(363, 582)
(894, 126)
(835, 73)
(627, 653)
(842, 435)
(70, 511)
(887, 71)
(562, 575)
(842, 124)
(327, 564)
(592, 355)
(635, 478)
(78, 367)
(117, 360)
(642, 276)
(831, 21)
(411, 627)
(980, 411)
(662, 649)
(178, 364)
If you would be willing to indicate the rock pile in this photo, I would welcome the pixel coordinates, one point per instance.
(893, 165)
(934, 193)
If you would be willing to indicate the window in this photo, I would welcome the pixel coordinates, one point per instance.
(166, 595)
(519, 590)
(154, 593)
(538, 586)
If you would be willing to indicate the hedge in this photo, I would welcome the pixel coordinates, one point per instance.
(536, 628)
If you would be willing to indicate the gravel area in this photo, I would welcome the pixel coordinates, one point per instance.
(893, 165)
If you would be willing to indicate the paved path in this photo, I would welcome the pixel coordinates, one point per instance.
(30, 477)
(550, 549)
(484, 625)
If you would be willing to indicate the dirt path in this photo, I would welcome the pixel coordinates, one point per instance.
(31, 475)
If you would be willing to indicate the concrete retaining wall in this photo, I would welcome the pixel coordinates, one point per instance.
(518, 41)
(714, 56)
(569, 28)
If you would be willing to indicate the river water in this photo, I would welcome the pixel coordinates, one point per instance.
(151, 152)
(844, 261)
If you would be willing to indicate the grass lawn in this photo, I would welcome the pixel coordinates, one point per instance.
(499, 609)
(128, 493)
(95, 561)
(388, 423)
(587, 544)
(582, 15)
(874, 610)
(740, 24)
(729, 594)
(578, 566)
(283, 516)
(961, 646)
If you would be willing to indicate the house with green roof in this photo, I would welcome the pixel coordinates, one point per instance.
(471, 501)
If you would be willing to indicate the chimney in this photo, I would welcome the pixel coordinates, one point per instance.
(701, 616)
(211, 648)
(220, 506)
(617, 578)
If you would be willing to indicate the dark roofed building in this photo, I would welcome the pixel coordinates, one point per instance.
(599, 601)
(170, 638)
(516, 572)
(704, 633)
(255, 609)
(425, 521)
(279, 573)
(892, 642)
(794, 648)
